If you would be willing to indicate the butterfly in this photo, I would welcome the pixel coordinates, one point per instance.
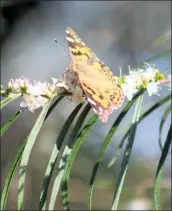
(96, 79)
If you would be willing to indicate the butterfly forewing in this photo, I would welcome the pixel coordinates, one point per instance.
(95, 77)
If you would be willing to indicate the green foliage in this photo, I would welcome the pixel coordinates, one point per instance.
(66, 149)
(65, 154)
(107, 141)
(10, 175)
(127, 153)
(142, 117)
(159, 171)
(53, 159)
(164, 118)
(18, 157)
(11, 121)
(9, 99)
(71, 157)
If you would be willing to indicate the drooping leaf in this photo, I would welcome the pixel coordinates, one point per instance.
(71, 157)
(9, 99)
(107, 141)
(11, 121)
(65, 154)
(127, 153)
(16, 162)
(164, 117)
(54, 155)
(159, 171)
(142, 117)
(27, 151)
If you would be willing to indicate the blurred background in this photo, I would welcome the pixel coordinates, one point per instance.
(121, 34)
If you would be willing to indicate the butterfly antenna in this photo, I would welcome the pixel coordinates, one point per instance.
(62, 49)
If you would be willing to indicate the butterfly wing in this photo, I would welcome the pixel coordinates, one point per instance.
(95, 77)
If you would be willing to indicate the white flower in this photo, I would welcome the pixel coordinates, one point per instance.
(40, 88)
(18, 84)
(135, 76)
(128, 90)
(152, 88)
(129, 87)
(55, 80)
(149, 74)
(33, 102)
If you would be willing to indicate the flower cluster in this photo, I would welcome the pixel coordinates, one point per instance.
(149, 78)
(37, 94)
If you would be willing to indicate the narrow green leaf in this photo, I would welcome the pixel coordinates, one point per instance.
(162, 39)
(10, 175)
(9, 99)
(107, 141)
(16, 162)
(79, 141)
(54, 104)
(159, 171)
(164, 117)
(27, 151)
(127, 153)
(53, 157)
(11, 121)
(66, 152)
(159, 55)
(143, 116)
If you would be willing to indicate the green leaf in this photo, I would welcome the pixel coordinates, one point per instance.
(70, 159)
(27, 151)
(159, 171)
(53, 157)
(10, 175)
(16, 162)
(11, 121)
(107, 141)
(159, 55)
(143, 116)
(164, 117)
(64, 156)
(162, 39)
(9, 99)
(127, 153)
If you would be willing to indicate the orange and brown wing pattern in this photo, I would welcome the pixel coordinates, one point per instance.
(95, 77)
(78, 49)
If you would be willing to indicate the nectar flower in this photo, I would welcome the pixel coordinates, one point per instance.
(152, 88)
(148, 78)
(33, 102)
(18, 85)
(128, 90)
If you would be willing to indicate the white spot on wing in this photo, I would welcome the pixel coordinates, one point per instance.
(70, 39)
(100, 109)
(76, 40)
(91, 101)
(83, 43)
(67, 31)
